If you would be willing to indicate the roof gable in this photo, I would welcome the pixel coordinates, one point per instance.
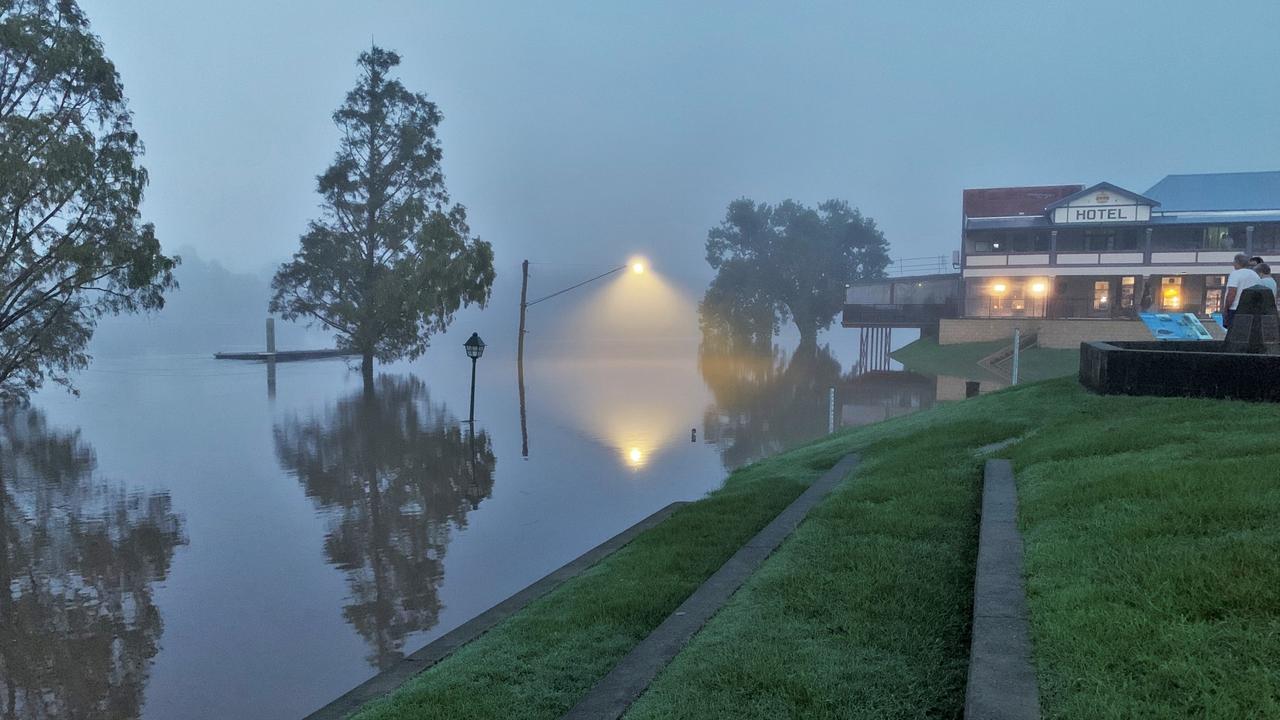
(1104, 193)
(1101, 203)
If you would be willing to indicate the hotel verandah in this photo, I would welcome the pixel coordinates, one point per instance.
(1053, 258)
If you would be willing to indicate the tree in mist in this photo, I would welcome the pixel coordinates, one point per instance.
(764, 402)
(398, 474)
(79, 560)
(72, 244)
(789, 262)
(391, 259)
(735, 315)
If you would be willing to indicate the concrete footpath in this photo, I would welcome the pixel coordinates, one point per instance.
(1002, 679)
(611, 697)
(393, 677)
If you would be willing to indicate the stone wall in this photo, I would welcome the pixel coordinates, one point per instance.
(1065, 334)
(1178, 369)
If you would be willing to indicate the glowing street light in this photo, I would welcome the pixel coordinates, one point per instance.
(1038, 288)
(999, 288)
(637, 266)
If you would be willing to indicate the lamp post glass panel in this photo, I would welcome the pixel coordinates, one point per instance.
(475, 348)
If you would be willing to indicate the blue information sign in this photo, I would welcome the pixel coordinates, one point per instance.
(1175, 326)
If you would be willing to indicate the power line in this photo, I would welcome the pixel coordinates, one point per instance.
(574, 287)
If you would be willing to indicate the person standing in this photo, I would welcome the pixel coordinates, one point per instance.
(1265, 279)
(1240, 279)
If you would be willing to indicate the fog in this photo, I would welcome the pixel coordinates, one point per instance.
(585, 132)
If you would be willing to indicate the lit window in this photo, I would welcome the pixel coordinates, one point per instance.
(1102, 295)
(1213, 293)
(1127, 287)
(1171, 293)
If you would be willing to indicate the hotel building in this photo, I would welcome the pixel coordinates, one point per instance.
(1079, 263)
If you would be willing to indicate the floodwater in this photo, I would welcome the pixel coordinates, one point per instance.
(192, 539)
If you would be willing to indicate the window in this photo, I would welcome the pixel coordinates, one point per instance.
(1218, 237)
(1070, 240)
(1102, 295)
(1266, 238)
(1109, 239)
(1127, 287)
(1193, 237)
(1171, 293)
(1213, 293)
(1015, 241)
(1175, 237)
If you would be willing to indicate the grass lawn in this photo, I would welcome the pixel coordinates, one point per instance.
(927, 356)
(539, 662)
(1153, 557)
(1152, 575)
(865, 611)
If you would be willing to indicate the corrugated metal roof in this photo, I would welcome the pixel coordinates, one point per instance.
(1218, 192)
(1243, 218)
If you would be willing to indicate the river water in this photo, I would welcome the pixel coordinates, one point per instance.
(190, 538)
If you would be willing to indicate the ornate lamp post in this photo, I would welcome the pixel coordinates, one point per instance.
(475, 348)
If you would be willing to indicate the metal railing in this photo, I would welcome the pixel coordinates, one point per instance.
(898, 315)
(900, 267)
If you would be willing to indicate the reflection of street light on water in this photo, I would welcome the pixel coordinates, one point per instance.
(637, 266)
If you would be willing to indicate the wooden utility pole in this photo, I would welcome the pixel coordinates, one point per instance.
(524, 305)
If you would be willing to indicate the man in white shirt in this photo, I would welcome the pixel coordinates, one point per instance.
(1240, 279)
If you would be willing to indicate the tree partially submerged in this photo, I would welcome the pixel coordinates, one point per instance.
(391, 259)
(787, 262)
(72, 243)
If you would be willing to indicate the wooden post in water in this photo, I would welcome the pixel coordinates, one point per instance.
(271, 358)
(524, 305)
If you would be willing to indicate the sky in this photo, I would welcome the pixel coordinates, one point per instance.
(585, 132)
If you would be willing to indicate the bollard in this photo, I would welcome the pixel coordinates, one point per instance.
(831, 410)
(1017, 350)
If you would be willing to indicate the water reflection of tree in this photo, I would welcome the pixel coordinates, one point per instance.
(78, 560)
(764, 402)
(397, 471)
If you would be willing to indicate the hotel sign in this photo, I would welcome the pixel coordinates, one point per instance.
(1114, 213)
(1102, 207)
